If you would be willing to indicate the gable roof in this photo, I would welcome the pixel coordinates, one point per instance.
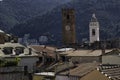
(95, 75)
(113, 52)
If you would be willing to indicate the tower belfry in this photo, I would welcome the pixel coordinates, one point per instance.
(94, 29)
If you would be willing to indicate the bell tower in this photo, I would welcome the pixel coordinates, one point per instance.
(68, 26)
(94, 29)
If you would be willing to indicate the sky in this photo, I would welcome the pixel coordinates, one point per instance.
(1, 0)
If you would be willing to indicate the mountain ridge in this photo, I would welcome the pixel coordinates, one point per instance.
(107, 13)
(13, 12)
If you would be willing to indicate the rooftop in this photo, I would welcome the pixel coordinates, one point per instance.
(8, 44)
(113, 52)
(95, 75)
(111, 71)
(81, 70)
(84, 53)
(39, 49)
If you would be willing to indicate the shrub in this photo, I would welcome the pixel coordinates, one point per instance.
(6, 63)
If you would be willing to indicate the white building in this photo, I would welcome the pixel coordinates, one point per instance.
(94, 29)
(9, 51)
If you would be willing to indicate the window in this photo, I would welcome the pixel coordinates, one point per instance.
(19, 50)
(7, 50)
(93, 32)
(68, 16)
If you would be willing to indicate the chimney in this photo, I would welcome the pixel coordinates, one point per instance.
(103, 47)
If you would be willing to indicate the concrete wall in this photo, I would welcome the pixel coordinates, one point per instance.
(29, 61)
(86, 59)
(111, 59)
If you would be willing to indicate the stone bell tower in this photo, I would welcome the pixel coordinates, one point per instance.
(94, 29)
(68, 26)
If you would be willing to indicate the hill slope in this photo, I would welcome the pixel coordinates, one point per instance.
(17, 11)
(106, 11)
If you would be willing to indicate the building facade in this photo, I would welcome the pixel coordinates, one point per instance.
(112, 57)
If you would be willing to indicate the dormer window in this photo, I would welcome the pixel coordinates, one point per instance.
(68, 16)
(19, 50)
(7, 50)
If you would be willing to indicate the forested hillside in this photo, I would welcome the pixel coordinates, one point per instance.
(13, 12)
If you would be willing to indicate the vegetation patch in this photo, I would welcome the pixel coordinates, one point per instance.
(7, 63)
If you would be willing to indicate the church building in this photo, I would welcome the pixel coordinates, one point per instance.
(93, 29)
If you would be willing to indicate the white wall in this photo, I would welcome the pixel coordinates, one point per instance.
(27, 61)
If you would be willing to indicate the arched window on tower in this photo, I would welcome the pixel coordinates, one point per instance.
(93, 32)
(68, 16)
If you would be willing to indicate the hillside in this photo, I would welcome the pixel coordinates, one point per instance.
(106, 11)
(13, 12)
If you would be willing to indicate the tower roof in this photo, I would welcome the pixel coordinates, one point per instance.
(94, 19)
